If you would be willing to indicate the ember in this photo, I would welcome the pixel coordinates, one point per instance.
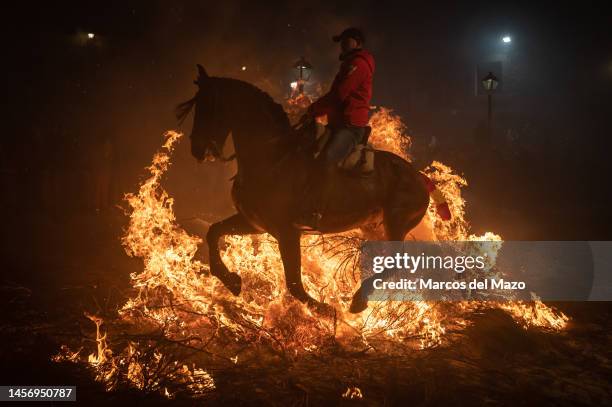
(352, 392)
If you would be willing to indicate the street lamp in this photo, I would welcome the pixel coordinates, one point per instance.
(507, 39)
(489, 83)
(303, 70)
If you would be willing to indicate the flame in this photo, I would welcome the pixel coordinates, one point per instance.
(389, 133)
(102, 360)
(103, 353)
(175, 293)
(536, 315)
(352, 392)
(171, 275)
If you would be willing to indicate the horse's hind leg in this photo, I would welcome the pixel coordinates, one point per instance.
(397, 223)
(234, 225)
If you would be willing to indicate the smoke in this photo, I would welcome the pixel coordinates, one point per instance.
(86, 105)
(146, 64)
(76, 93)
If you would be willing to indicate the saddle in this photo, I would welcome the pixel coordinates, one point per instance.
(360, 161)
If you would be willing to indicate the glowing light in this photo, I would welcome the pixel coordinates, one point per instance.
(352, 392)
(507, 39)
(293, 85)
(243, 68)
(91, 36)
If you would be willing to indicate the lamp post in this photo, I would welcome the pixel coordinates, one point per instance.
(489, 83)
(303, 70)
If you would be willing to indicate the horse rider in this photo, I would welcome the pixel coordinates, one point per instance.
(347, 106)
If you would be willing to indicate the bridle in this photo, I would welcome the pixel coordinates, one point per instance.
(185, 108)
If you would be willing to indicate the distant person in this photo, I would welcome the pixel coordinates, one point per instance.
(102, 168)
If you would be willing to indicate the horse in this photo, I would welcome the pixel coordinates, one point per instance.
(273, 170)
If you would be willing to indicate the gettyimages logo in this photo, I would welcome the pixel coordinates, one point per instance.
(487, 271)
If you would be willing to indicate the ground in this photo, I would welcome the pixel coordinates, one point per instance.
(75, 264)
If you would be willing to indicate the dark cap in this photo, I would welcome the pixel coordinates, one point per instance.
(352, 32)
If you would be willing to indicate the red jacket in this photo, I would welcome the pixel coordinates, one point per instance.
(348, 100)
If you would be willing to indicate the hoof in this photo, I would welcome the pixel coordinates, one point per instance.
(231, 281)
(359, 303)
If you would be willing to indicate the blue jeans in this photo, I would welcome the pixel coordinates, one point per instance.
(341, 143)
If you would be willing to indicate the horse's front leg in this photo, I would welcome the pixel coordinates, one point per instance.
(289, 246)
(234, 225)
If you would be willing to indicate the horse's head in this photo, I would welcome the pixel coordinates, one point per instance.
(210, 123)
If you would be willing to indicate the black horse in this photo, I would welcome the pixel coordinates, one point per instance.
(272, 175)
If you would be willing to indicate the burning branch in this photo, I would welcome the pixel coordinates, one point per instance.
(193, 317)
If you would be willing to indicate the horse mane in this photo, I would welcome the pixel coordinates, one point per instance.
(245, 91)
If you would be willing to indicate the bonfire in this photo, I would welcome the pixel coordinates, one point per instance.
(180, 322)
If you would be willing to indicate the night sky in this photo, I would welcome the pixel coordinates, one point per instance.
(559, 54)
